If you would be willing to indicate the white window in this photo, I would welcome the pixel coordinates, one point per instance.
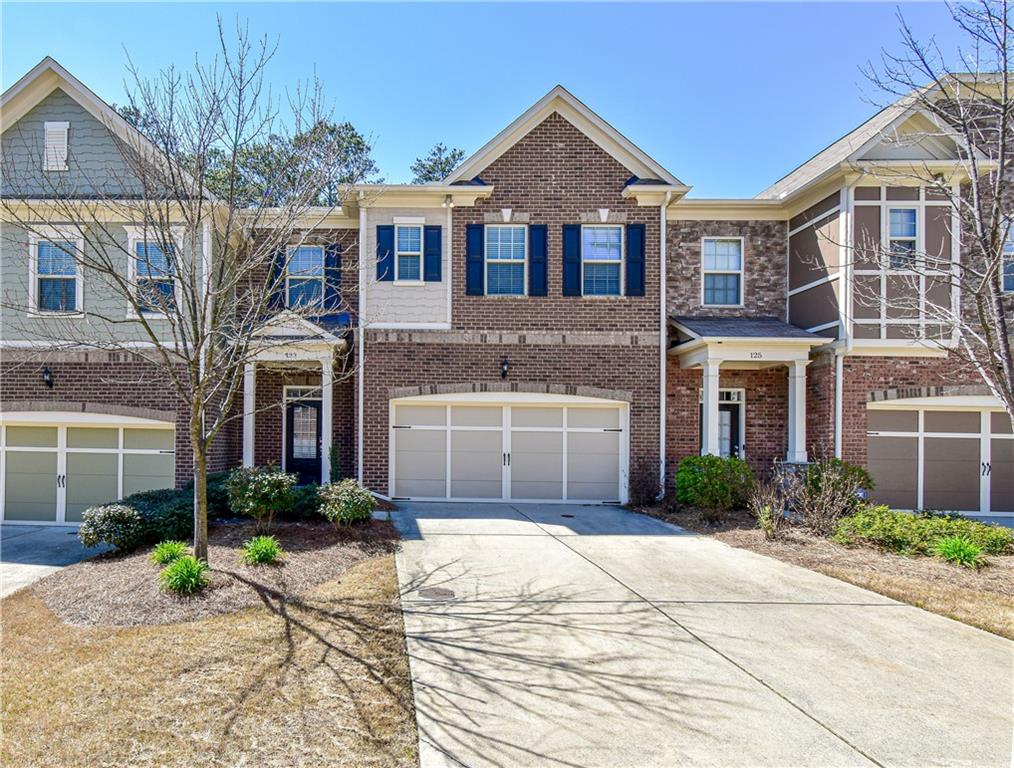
(408, 245)
(902, 236)
(153, 276)
(304, 278)
(506, 251)
(55, 283)
(1007, 263)
(55, 151)
(722, 271)
(601, 260)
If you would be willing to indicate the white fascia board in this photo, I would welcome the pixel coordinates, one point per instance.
(947, 402)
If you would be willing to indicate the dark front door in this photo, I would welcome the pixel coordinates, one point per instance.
(728, 429)
(302, 440)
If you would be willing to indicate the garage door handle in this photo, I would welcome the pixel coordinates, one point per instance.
(986, 468)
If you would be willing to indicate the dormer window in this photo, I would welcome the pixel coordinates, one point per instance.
(55, 146)
(304, 280)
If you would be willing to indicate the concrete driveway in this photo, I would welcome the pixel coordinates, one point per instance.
(29, 552)
(591, 636)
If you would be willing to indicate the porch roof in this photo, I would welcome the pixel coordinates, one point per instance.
(739, 328)
(748, 341)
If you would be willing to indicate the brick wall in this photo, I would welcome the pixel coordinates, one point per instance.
(555, 175)
(820, 406)
(764, 262)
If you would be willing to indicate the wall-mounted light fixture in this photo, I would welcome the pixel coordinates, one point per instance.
(47, 377)
(505, 366)
(448, 201)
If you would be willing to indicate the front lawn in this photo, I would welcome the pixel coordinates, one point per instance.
(301, 664)
(983, 598)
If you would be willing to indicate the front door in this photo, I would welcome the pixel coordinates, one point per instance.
(728, 429)
(302, 440)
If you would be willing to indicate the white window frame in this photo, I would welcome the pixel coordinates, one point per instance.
(294, 393)
(47, 235)
(741, 271)
(621, 261)
(916, 241)
(57, 160)
(136, 235)
(486, 261)
(306, 278)
(409, 223)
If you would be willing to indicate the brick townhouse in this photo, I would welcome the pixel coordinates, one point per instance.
(553, 319)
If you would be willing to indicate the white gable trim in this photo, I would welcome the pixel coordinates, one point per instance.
(560, 100)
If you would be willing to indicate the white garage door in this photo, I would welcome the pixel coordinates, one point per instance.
(521, 452)
(51, 472)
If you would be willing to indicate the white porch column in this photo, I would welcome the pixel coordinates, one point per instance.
(326, 411)
(797, 411)
(709, 411)
(249, 407)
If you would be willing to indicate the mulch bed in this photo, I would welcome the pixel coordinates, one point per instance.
(123, 590)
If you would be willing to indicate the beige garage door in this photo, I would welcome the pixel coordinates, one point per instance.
(508, 452)
(51, 473)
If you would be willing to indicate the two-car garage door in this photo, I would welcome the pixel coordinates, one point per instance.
(521, 451)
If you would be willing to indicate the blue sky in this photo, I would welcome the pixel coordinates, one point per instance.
(728, 97)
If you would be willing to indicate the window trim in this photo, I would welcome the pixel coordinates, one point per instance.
(135, 235)
(486, 261)
(48, 163)
(48, 235)
(322, 278)
(406, 223)
(741, 271)
(622, 262)
(916, 241)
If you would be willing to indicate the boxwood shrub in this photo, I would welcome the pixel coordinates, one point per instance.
(918, 533)
(119, 525)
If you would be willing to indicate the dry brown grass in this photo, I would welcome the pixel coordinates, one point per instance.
(319, 679)
(984, 598)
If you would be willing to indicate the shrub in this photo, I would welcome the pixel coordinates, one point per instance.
(260, 493)
(346, 502)
(167, 551)
(118, 525)
(767, 505)
(822, 493)
(168, 513)
(917, 534)
(643, 486)
(713, 483)
(960, 551)
(305, 503)
(218, 494)
(262, 550)
(185, 575)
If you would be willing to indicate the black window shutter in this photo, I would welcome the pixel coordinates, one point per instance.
(571, 259)
(332, 277)
(276, 280)
(635, 259)
(432, 254)
(537, 283)
(385, 252)
(474, 258)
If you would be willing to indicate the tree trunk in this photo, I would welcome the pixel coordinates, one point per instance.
(200, 503)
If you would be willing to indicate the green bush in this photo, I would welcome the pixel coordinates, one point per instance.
(960, 551)
(118, 525)
(262, 550)
(918, 534)
(185, 575)
(305, 503)
(166, 551)
(218, 494)
(260, 493)
(168, 513)
(714, 483)
(346, 502)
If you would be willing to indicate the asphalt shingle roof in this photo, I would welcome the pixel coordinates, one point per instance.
(743, 327)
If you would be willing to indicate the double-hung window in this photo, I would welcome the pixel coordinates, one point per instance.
(506, 250)
(722, 267)
(601, 260)
(154, 278)
(408, 252)
(56, 279)
(902, 237)
(304, 279)
(1007, 262)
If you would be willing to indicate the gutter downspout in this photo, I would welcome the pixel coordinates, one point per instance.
(361, 351)
(663, 327)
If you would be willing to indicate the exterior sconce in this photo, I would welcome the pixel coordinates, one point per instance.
(505, 365)
(448, 202)
(47, 377)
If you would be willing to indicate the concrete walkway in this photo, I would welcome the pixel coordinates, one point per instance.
(590, 636)
(29, 552)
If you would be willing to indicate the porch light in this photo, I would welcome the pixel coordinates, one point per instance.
(505, 365)
(448, 201)
(47, 377)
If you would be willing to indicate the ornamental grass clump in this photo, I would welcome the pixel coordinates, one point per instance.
(184, 576)
(346, 502)
(262, 550)
(960, 551)
(165, 552)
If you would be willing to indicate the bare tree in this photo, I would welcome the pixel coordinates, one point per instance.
(966, 106)
(206, 283)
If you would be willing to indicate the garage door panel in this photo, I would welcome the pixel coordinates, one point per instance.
(32, 437)
(593, 465)
(148, 439)
(951, 472)
(93, 437)
(471, 416)
(536, 417)
(420, 463)
(420, 415)
(147, 472)
(477, 465)
(1001, 479)
(894, 466)
(536, 465)
(91, 480)
(604, 418)
(30, 486)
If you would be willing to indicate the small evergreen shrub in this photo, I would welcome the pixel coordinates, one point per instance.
(305, 503)
(262, 550)
(218, 494)
(119, 525)
(346, 502)
(917, 534)
(168, 513)
(185, 575)
(714, 483)
(261, 493)
(960, 551)
(166, 551)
